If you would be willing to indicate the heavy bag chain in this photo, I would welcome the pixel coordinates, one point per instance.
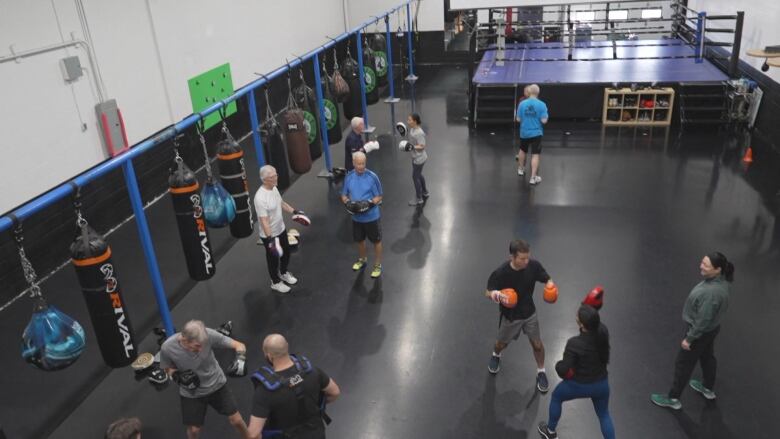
(177, 158)
(225, 129)
(29, 272)
(291, 104)
(327, 78)
(80, 220)
(269, 113)
(207, 164)
(306, 89)
(335, 60)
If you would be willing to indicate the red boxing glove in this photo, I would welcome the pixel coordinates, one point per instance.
(595, 297)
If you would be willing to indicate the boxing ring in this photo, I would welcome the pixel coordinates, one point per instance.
(604, 62)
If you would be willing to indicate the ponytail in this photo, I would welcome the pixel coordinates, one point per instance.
(590, 319)
(719, 260)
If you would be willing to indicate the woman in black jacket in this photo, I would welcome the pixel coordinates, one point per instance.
(584, 373)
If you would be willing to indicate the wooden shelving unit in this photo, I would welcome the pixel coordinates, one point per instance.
(651, 106)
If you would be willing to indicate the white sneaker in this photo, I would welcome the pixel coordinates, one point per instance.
(280, 287)
(521, 171)
(289, 279)
(535, 180)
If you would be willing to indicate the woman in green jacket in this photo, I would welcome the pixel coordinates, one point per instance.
(706, 305)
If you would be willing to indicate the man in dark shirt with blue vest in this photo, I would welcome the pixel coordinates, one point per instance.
(289, 394)
(521, 274)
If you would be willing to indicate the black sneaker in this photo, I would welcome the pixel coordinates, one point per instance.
(541, 382)
(426, 195)
(545, 432)
(495, 364)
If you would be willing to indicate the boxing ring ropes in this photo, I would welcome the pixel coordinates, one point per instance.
(125, 159)
(690, 29)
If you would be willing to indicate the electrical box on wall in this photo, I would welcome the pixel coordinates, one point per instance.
(71, 68)
(112, 127)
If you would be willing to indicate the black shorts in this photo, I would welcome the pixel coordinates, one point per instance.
(193, 410)
(371, 230)
(534, 143)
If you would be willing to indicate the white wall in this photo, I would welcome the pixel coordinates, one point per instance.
(760, 28)
(430, 16)
(41, 116)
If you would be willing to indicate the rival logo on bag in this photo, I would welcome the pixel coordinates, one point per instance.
(116, 303)
(204, 238)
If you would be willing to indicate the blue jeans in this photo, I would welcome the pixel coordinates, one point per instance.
(598, 392)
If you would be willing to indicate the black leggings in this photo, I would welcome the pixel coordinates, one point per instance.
(419, 180)
(275, 269)
(703, 352)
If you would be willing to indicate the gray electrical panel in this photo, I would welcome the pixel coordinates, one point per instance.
(71, 68)
(112, 127)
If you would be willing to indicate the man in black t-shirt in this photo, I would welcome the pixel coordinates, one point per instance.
(288, 394)
(521, 274)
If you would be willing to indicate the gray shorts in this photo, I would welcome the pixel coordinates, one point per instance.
(511, 330)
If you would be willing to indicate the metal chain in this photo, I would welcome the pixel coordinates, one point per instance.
(177, 158)
(29, 272)
(80, 220)
(335, 60)
(207, 164)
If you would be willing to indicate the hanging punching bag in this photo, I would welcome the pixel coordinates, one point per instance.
(353, 105)
(369, 75)
(304, 97)
(219, 208)
(332, 119)
(52, 340)
(295, 135)
(378, 46)
(230, 157)
(91, 257)
(192, 226)
(275, 153)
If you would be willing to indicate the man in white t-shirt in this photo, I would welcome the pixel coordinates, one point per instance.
(273, 234)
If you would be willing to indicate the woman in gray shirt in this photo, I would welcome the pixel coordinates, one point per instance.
(419, 156)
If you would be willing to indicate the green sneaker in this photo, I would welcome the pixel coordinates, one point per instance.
(359, 264)
(377, 271)
(699, 387)
(662, 400)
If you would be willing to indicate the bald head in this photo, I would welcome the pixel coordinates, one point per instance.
(275, 346)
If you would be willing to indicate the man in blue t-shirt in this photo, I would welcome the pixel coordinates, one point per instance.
(362, 185)
(532, 114)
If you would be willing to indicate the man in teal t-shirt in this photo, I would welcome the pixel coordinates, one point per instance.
(532, 114)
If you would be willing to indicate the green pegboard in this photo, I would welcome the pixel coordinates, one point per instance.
(210, 87)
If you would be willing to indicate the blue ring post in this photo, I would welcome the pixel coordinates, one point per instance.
(359, 41)
(146, 243)
(323, 119)
(411, 77)
(255, 133)
(389, 43)
(699, 49)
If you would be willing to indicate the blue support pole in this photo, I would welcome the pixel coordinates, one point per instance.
(411, 78)
(389, 43)
(255, 132)
(146, 243)
(323, 119)
(699, 50)
(359, 41)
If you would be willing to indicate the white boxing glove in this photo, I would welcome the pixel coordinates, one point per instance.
(371, 146)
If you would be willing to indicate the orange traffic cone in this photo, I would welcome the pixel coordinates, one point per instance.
(748, 158)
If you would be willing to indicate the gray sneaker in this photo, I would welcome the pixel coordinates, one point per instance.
(541, 382)
(417, 202)
(495, 364)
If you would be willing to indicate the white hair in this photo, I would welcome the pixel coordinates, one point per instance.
(195, 330)
(356, 121)
(533, 90)
(266, 171)
(358, 154)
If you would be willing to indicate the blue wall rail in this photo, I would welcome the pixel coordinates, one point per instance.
(125, 160)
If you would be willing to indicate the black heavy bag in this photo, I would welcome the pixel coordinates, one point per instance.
(369, 75)
(307, 102)
(295, 135)
(192, 226)
(332, 119)
(378, 46)
(353, 106)
(91, 257)
(232, 172)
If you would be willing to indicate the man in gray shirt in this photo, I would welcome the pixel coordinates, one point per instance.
(188, 358)
(419, 157)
